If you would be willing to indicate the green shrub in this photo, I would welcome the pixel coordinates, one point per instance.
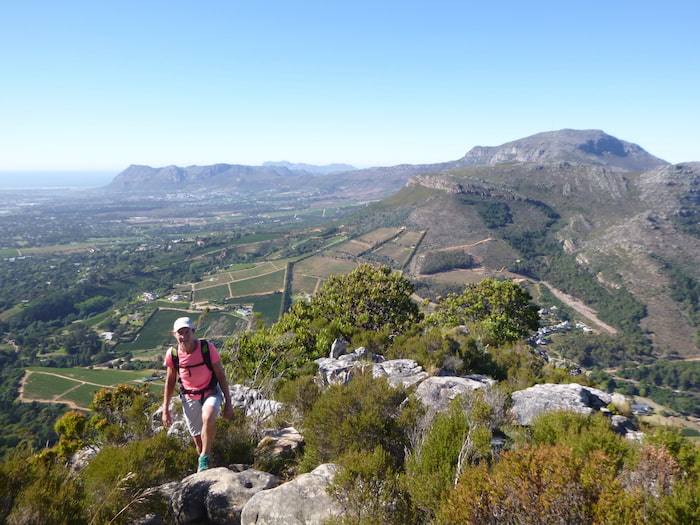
(38, 489)
(582, 433)
(432, 464)
(297, 397)
(235, 441)
(451, 442)
(370, 490)
(532, 485)
(362, 415)
(118, 476)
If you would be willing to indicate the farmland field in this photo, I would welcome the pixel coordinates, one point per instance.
(156, 335)
(304, 284)
(379, 235)
(398, 254)
(324, 267)
(76, 386)
(268, 305)
(212, 293)
(351, 247)
(270, 282)
(260, 269)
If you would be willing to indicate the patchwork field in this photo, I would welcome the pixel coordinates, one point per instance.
(77, 386)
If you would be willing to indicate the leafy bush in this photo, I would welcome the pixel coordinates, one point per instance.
(116, 480)
(362, 415)
(532, 485)
(582, 433)
(498, 312)
(36, 489)
(369, 489)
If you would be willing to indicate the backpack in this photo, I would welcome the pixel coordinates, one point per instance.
(207, 361)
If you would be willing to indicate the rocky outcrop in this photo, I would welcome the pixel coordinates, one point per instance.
(215, 496)
(253, 403)
(592, 147)
(340, 369)
(436, 393)
(302, 501)
(540, 399)
(400, 372)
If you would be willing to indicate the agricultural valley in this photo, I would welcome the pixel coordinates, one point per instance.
(93, 279)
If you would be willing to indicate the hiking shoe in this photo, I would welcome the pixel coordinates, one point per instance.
(203, 462)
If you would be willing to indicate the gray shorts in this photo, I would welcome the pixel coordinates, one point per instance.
(192, 408)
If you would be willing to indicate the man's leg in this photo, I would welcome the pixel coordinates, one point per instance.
(198, 443)
(209, 414)
(210, 411)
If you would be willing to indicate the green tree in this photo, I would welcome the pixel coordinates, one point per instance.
(497, 311)
(368, 298)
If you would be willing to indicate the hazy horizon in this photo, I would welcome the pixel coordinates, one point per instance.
(15, 179)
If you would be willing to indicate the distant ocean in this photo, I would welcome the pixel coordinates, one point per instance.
(10, 180)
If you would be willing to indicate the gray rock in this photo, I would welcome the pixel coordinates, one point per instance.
(277, 447)
(338, 348)
(334, 371)
(400, 372)
(622, 425)
(253, 403)
(216, 495)
(340, 370)
(303, 500)
(538, 399)
(437, 392)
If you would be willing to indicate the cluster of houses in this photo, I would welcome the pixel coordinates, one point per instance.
(541, 337)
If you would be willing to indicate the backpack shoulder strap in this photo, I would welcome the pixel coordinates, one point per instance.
(205, 353)
(176, 359)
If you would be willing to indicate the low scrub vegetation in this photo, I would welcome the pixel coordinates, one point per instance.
(401, 463)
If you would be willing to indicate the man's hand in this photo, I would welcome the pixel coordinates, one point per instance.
(167, 419)
(228, 411)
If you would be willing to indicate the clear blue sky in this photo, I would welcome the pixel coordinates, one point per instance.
(94, 85)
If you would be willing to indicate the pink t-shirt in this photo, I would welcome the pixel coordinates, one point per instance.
(196, 377)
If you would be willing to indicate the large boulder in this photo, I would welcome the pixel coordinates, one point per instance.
(538, 399)
(437, 392)
(215, 496)
(302, 501)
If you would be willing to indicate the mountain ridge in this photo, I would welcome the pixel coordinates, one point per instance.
(591, 147)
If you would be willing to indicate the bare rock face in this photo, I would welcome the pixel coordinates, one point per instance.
(437, 392)
(400, 372)
(216, 495)
(302, 501)
(538, 399)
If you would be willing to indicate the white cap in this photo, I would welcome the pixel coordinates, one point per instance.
(183, 322)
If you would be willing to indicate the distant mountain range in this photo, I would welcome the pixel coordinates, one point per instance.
(589, 147)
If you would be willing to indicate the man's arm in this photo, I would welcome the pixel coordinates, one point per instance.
(170, 378)
(218, 368)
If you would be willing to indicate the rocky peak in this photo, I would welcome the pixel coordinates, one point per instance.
(592, 147)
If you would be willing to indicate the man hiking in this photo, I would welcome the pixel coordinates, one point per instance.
(203, 386)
